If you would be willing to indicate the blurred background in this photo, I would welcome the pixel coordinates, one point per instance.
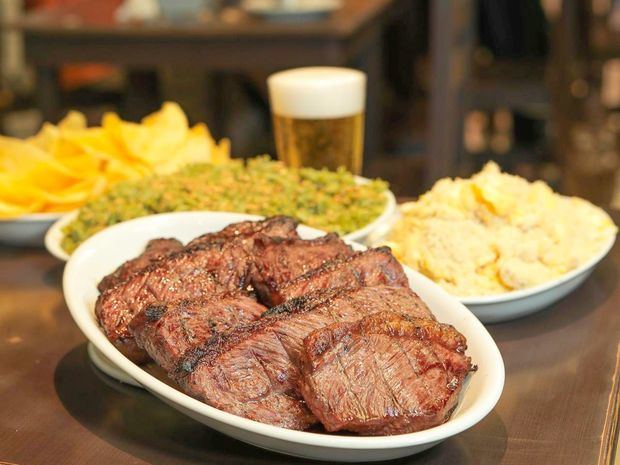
(532, 84)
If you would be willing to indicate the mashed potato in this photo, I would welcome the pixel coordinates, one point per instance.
(496, 233)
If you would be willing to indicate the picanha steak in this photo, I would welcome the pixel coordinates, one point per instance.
(384, 374)
(275, 226)
(346, 342)
(155, 249)
(277, 261)
(218, 264)
(252, 371)
(167, 331)
(369, 268)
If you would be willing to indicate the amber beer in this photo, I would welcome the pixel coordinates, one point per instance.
(318, 117)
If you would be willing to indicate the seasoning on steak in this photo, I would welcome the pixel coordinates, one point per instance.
(155, 249)
(369, 268)
(275, 226)
(182, 276)
(385, 374)
(252, 371)
(279, 260)
(166, 331)
(219, 265)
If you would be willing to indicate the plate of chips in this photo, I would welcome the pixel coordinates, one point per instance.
(65, 165)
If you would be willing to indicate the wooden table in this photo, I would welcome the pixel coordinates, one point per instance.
(559, 406)
(230, 42)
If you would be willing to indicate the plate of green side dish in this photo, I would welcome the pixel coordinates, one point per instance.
(336, 201)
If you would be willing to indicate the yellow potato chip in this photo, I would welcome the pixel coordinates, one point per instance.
(16, 156)
(153, 141)
(64, 166)
(74, 120)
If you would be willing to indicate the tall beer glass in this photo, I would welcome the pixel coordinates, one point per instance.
(318, 117)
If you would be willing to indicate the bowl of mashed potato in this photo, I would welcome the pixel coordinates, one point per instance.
(505, 246)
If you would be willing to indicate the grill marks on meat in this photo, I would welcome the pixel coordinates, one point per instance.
(181, 276)
(155, 249)
(384, 374)
(275, 226)
(252, 371)
(369, 268)
(324, 354)
(280, 260)
(167, 331)
(247, 372)
(217, 263)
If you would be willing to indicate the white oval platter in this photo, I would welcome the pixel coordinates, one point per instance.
(106, 250)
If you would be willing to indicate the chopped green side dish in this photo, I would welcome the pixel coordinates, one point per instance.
(323, 199)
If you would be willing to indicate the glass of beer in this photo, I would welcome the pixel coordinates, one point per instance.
(318, 117)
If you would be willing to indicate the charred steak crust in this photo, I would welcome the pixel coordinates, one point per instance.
(275, 226)
(166, 332)
(189, 274)
(350, 344)
(278, 260)
(246, 372)
(155, 250)
(368, 268)
(384, 374)
(116, 307)
(221, 264)
(252, 370)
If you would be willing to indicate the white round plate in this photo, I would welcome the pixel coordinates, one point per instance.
(511, 305)
(103, 252)
(54, 236)
(27, 230)
(291, 10)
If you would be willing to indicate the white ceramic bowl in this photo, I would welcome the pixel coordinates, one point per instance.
(103, 252)
(515, 304)
(27, 230)
(54, 236)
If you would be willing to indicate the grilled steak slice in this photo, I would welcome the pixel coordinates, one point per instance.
(252, 371)
(155, 249)
(369, 268)
(217, 263)
(321, 308)
(194, 272)
(278, 261)
(384, 374)
(275, 226)
(169, 330)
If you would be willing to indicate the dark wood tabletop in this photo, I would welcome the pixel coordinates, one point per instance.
(559, 405)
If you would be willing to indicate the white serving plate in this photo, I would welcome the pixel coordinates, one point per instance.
(54, 235)
(103, 252)
(27, 230)
(508, 306)
(291, 10)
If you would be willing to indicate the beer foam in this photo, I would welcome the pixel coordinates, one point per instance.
(317, 92)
